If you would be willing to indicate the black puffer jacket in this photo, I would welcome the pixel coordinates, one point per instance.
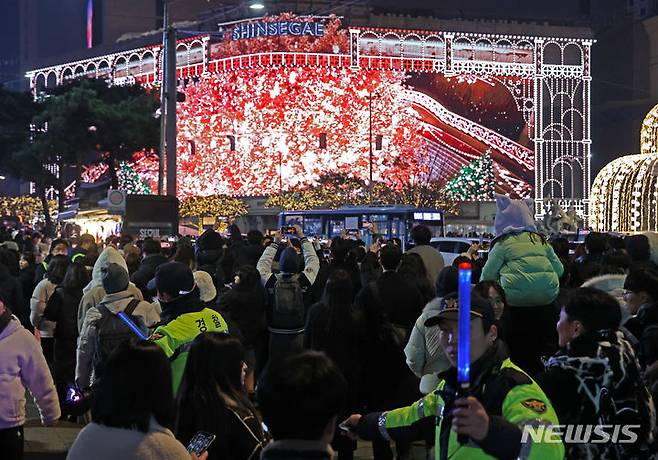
(146, 272)
(62, 308)
(246, 310)
(12, 293)
(209, 256)
(596, 380)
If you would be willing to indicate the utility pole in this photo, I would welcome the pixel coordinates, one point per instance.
(168, 107)
(170, 124)
(163, 97)
(370, 146)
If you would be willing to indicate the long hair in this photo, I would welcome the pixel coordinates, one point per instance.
(136, 386)
(184, 254)
(212, 383)
(337, 297)
(76, 276)
(249, 278)
(57, 269)
(413, 269)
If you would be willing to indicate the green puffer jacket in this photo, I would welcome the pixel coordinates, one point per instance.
(528, 270)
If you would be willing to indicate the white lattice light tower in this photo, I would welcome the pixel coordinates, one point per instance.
(549, 79)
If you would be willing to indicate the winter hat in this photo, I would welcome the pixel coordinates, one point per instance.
(207, 291)
(115, 278)
(514, 216)
(174, 278)
(289, 261)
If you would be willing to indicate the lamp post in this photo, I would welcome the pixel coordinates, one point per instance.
(370, 97)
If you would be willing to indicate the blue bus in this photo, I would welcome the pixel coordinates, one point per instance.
(392, 221)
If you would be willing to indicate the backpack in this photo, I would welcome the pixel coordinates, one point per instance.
(111, 332)
(288, 313)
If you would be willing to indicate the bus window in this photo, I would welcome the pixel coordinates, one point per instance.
(294, 220)
(312, 226)
(335, 227)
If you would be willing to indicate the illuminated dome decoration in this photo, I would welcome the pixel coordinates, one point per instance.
(624, 195)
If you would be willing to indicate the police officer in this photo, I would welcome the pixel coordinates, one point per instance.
(184, 315)
(502, 400)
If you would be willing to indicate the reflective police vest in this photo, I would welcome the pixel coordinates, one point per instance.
(522, 403)
(176, 337)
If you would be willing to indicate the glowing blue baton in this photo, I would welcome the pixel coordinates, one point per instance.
(132, 325)
(464, 342)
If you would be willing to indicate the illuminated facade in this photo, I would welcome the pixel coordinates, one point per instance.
(276, 113)
(625, 192)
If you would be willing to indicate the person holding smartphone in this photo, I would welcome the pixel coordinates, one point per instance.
(133, 411)
(213, 404)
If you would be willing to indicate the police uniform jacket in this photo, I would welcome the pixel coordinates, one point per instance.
(512, 400)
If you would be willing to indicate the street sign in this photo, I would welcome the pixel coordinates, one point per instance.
(116, 202)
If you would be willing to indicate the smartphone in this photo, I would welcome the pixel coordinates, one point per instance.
(200, 442)
(165, 244)
(289, 230)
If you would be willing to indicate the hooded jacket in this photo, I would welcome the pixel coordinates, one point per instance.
(424, 355)
(520, 260)
(115, 302)
(596, 380)
(94, 292)
(22, 365)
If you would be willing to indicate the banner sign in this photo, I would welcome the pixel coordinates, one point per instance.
(273, 29)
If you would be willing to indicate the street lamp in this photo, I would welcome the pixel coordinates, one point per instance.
(370, 98)
(257, 6)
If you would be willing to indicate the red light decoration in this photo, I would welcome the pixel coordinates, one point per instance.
(277, 116)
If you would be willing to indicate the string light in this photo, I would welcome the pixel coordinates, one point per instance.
(27, 208)
(625, 192)
(213, 206)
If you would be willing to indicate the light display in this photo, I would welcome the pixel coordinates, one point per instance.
(276, 118)
(474, 182)
(27, 208)
(334, 191)
(625, 192)
(257, 108)
(216, 206)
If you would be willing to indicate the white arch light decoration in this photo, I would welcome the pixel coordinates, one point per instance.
(625, 193)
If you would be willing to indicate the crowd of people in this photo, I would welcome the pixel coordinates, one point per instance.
(281, 348)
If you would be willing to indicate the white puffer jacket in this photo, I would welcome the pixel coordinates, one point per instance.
(424, 355)
(22, 366)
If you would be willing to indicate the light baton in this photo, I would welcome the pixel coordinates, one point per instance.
(464, 341)
(132, 325)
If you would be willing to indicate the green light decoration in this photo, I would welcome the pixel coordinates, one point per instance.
(474, 182)
(130, 181)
